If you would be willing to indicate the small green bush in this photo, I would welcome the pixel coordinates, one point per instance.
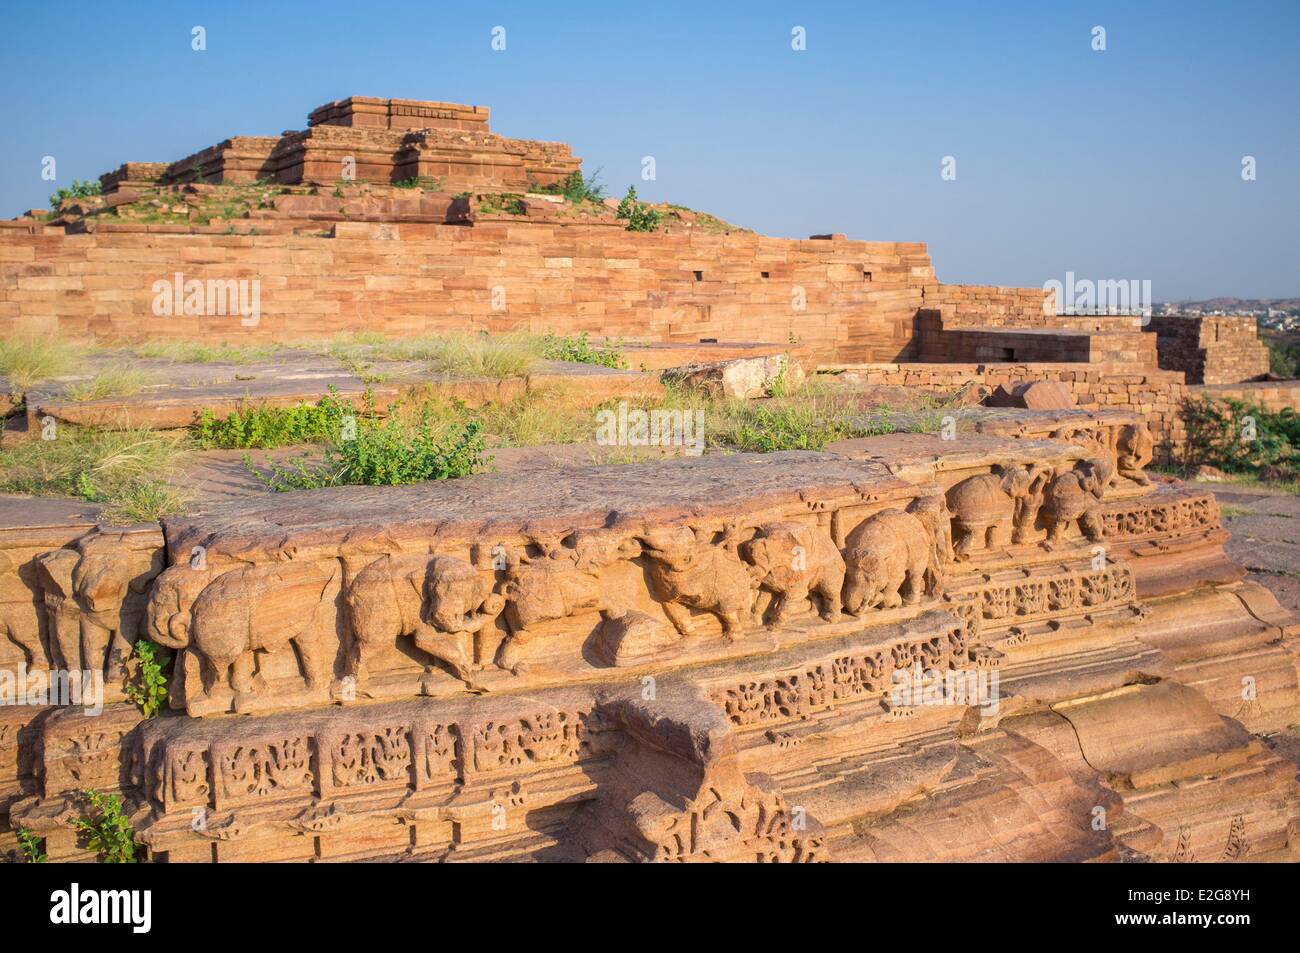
(640, 217)
(107, 829)
(792, 427)
(579, 350)
(1218, 435)
(78, 190)
(386, 454)
(263, 427)
(576, 188)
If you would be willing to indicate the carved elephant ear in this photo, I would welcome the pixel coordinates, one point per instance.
(54, 571)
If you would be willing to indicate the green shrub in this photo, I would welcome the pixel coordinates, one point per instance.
(502, 203)
(579, 350)
(263, 427)
(147, 677)
(78, 190)
(576, 188)
(1219, 435)
(386, 454)
(33, 847)
(107, 830)
(640, 217)
(1283, 359)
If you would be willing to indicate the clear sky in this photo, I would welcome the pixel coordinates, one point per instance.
(1118, 164)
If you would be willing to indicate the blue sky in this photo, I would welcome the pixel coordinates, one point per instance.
(1117, 164)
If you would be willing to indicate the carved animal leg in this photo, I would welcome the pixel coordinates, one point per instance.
(999, 534)
(1092, 526)
(454, 648)
(357, 663)
(732, 627)
(779, 610)
(1055, 535)
(914, 585)
(242, 672)
(94, 647)
(313, 666)
(830, 596)
(25, 632)
(119, 650)
(680, 617)
(509, 657)
(963, 542)
(891, 593)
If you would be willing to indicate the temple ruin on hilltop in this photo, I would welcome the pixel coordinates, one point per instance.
(1021, 645)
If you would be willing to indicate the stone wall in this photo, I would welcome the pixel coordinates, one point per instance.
(843, 300)
(1155, 395)
(1218, 349)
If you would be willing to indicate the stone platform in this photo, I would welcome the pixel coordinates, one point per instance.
(1013, 646)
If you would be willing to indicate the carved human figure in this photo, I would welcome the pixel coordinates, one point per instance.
(792, 560)
(260, 609)
(983, 509)
(689, 571)
(887, 556)
(1072, 497)
(439, 601)
(1134, 447)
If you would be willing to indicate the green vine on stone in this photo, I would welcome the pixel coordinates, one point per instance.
(146, 683)
(107, 829)
(31, 846)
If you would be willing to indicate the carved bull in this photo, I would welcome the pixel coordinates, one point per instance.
(688, 571)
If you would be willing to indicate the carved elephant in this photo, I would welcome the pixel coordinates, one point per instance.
(984, 511)
(260, 609)
(440, 601)
(95, 598)
(168, 617)
(792, 560)
(689, 571)
(1072, 497)
(21, 609)
(887, 558)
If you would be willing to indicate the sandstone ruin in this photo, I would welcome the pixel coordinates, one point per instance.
(1020, 645)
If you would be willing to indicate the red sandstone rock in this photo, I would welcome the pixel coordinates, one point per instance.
(1032, 395)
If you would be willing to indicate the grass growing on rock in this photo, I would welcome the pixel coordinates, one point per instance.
(115, 380)
(28, 359)
(462, 354)
(124, 469)
(183, 352)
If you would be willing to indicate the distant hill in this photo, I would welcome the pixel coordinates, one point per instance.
(1246, 305)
